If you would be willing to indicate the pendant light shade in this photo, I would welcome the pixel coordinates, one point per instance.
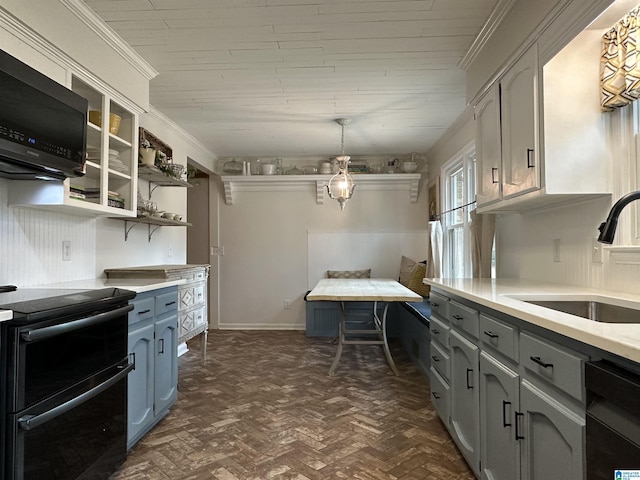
(341, 185)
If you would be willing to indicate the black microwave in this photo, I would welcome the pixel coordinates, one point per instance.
(43, 125)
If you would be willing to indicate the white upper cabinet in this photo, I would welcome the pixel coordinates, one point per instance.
(520, 133)
(541, 138)
(507, 134)
(488, 147)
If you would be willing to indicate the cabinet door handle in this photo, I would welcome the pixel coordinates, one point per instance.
(132, 359)
(541, 363)
(458, 317)
(504, 414)
(518, 436)
(142, 312)
(494, 175)
(161, 345)
(491, 334)
(435, 395)
(469, 385)
(435, 358)
(530, 163)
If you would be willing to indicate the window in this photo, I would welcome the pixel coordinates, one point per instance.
(459, 176)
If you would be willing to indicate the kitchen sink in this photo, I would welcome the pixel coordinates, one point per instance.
(592, 310)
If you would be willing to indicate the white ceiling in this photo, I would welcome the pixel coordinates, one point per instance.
(268, 77)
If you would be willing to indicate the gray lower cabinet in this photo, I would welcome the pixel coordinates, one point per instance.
(499, 399)
(153, 344)
(552, 437)
(465, 398)
(514, 401)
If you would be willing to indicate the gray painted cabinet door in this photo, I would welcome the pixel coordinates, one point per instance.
(465, 398)
(499, 400)
(553, 437)
(166, 375)
(140, 381)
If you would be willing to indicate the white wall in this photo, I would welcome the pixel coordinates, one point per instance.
(265, 240)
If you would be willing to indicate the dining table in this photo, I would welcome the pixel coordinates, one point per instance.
(376, 290)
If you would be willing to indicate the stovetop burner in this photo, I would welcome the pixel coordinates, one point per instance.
(31, 304)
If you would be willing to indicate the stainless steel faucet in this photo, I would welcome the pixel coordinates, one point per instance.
(608, 228)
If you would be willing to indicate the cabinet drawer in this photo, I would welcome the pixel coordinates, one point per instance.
(439, 332)
(464, 318)
(142, 310)
(198, 294)
(440, 360)
(499, 336)
(439, 395)
(558, 365)
(439, 305)
(166, 302)
(191, 323)
(186, 297)
(200, 275)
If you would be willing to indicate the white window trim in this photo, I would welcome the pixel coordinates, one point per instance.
(463, 158)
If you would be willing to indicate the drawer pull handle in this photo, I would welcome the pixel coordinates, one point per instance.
(142, 312)
(435, 395)
(435, 331)
(435, 305)
(491, 334)
(170, 303)
(458, 317)
(469, 384)
(435, 358)
(518, 436)
(504, 413)
(541, 363)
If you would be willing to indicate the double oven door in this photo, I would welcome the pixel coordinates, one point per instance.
(65, 380)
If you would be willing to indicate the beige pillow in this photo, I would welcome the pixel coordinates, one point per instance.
(406, 270)
(349, 273)
(415, 284)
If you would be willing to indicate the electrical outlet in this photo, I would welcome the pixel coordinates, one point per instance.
(287, 304)
(556, 249)
(597, 251)
(66, 250)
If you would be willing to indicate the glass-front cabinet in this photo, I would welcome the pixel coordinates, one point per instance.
(111, 168)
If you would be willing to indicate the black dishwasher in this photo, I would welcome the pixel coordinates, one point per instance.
(613, 421)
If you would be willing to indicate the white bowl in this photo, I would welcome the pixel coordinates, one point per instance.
(268, 169)
(410, 167)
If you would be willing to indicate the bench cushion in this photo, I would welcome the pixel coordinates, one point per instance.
(421, 310)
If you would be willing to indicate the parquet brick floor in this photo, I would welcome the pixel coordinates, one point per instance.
(264, 407)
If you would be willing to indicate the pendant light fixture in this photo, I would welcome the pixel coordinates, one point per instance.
(341, 186)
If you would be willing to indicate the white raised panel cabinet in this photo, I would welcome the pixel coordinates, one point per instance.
(488, 147)
(519, 90)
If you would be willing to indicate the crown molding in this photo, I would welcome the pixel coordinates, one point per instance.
(110, 37)
(497, 15)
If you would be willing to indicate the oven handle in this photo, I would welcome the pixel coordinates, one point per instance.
(29, 422)
(62, 328)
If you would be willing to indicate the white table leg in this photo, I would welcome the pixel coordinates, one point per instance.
(385, 344)
(336, 359)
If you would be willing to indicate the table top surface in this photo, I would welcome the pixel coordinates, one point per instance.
(362, 289)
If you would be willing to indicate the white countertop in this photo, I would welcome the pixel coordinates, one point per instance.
(138, 285)
(507, 295)
(5, 315)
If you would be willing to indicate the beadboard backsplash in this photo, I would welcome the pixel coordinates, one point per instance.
(31, 245)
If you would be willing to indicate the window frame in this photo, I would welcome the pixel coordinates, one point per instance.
(463, 162)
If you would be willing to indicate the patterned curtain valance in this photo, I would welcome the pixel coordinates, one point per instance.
(619, 63)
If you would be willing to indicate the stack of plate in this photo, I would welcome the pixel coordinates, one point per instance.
(115, 163)
(93, 155)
